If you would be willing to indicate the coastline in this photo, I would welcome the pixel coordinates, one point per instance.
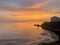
(56, 31)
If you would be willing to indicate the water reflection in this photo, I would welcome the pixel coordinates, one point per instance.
(19, 30)
(23, 30)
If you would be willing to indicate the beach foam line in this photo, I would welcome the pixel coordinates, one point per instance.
(35, 42)
(45, 40)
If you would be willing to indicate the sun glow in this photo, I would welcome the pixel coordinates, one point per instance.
(26, 15)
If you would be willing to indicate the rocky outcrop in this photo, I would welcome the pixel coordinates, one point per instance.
(52, 26)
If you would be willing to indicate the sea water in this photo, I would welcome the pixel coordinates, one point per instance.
(23, 33)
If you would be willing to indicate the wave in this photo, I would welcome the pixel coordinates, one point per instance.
(52, 38)
(48, 37)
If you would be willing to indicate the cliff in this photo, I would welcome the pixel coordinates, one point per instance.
(52, 26)
(55, 25)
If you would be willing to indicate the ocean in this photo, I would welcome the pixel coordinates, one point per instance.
(24, 33)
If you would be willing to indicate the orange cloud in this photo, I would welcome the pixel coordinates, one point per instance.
(27, 15)
(38, 5)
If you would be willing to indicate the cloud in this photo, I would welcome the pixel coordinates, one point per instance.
(40, 5)
(53, 6)
(29, 9)
(21, 4)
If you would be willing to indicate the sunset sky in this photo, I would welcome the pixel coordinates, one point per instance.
(29, 9)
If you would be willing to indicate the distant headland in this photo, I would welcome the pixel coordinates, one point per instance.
(53, 25)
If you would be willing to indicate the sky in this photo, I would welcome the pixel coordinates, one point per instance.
(29, 9)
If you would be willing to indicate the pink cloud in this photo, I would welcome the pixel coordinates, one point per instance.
(38, 5)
